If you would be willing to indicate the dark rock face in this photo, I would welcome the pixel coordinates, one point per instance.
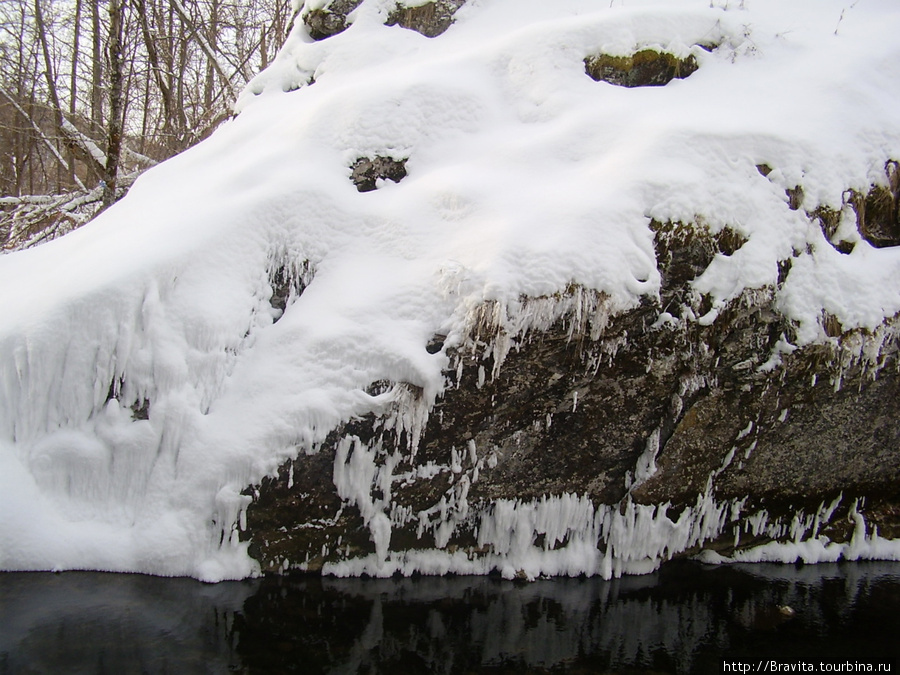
(643, 407)
(297, 516)
(288, 281)
(645, 68)
(323, 23)
(795, 439)
(365, 171)
(430, 19)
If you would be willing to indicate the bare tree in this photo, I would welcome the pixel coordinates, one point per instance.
(92, 93)
(114, 48)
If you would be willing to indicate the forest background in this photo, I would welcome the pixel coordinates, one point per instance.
(93, 92)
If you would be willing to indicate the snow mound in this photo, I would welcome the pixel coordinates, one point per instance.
(237, 304)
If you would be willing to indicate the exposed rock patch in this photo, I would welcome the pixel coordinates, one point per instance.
(435, 344)
(365, 172)
(287, 282)
(140, 409)
(299, 520)
(684, 251)
(139, 405)
(829, 220)
(430, 19)
(645, 68)
(878, 213)
(330, 20)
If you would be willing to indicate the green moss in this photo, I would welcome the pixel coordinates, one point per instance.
(645, 68)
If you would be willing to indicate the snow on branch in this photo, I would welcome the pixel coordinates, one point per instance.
(87, 145)
(29, 220)
(41, 135)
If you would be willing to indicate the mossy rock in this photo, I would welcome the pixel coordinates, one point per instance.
(646, 68)
(430, 19)
(330, 20)
(878, 213)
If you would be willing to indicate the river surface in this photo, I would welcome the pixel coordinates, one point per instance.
(686, 618)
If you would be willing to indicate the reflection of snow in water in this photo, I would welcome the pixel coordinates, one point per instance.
(628, 622)
(683, 619)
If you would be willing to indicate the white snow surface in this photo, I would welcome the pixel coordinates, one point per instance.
(525, 176)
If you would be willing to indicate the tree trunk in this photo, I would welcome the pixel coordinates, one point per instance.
(114, 127)
(96, 69)
(50, 78)
(212, 36)
(73, 79)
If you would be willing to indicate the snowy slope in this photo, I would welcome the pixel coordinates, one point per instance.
(524, 176)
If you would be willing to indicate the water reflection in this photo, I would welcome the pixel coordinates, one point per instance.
(683, 619)
(84, 622)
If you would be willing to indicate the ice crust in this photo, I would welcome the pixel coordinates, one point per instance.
(525, 178)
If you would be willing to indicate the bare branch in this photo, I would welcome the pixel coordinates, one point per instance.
(204, 45)
(41, 135)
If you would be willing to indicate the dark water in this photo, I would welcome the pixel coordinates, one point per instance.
(684, 619)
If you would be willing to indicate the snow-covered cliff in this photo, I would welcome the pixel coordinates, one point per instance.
(252, 304)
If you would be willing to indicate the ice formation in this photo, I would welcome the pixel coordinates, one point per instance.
(242, 300)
